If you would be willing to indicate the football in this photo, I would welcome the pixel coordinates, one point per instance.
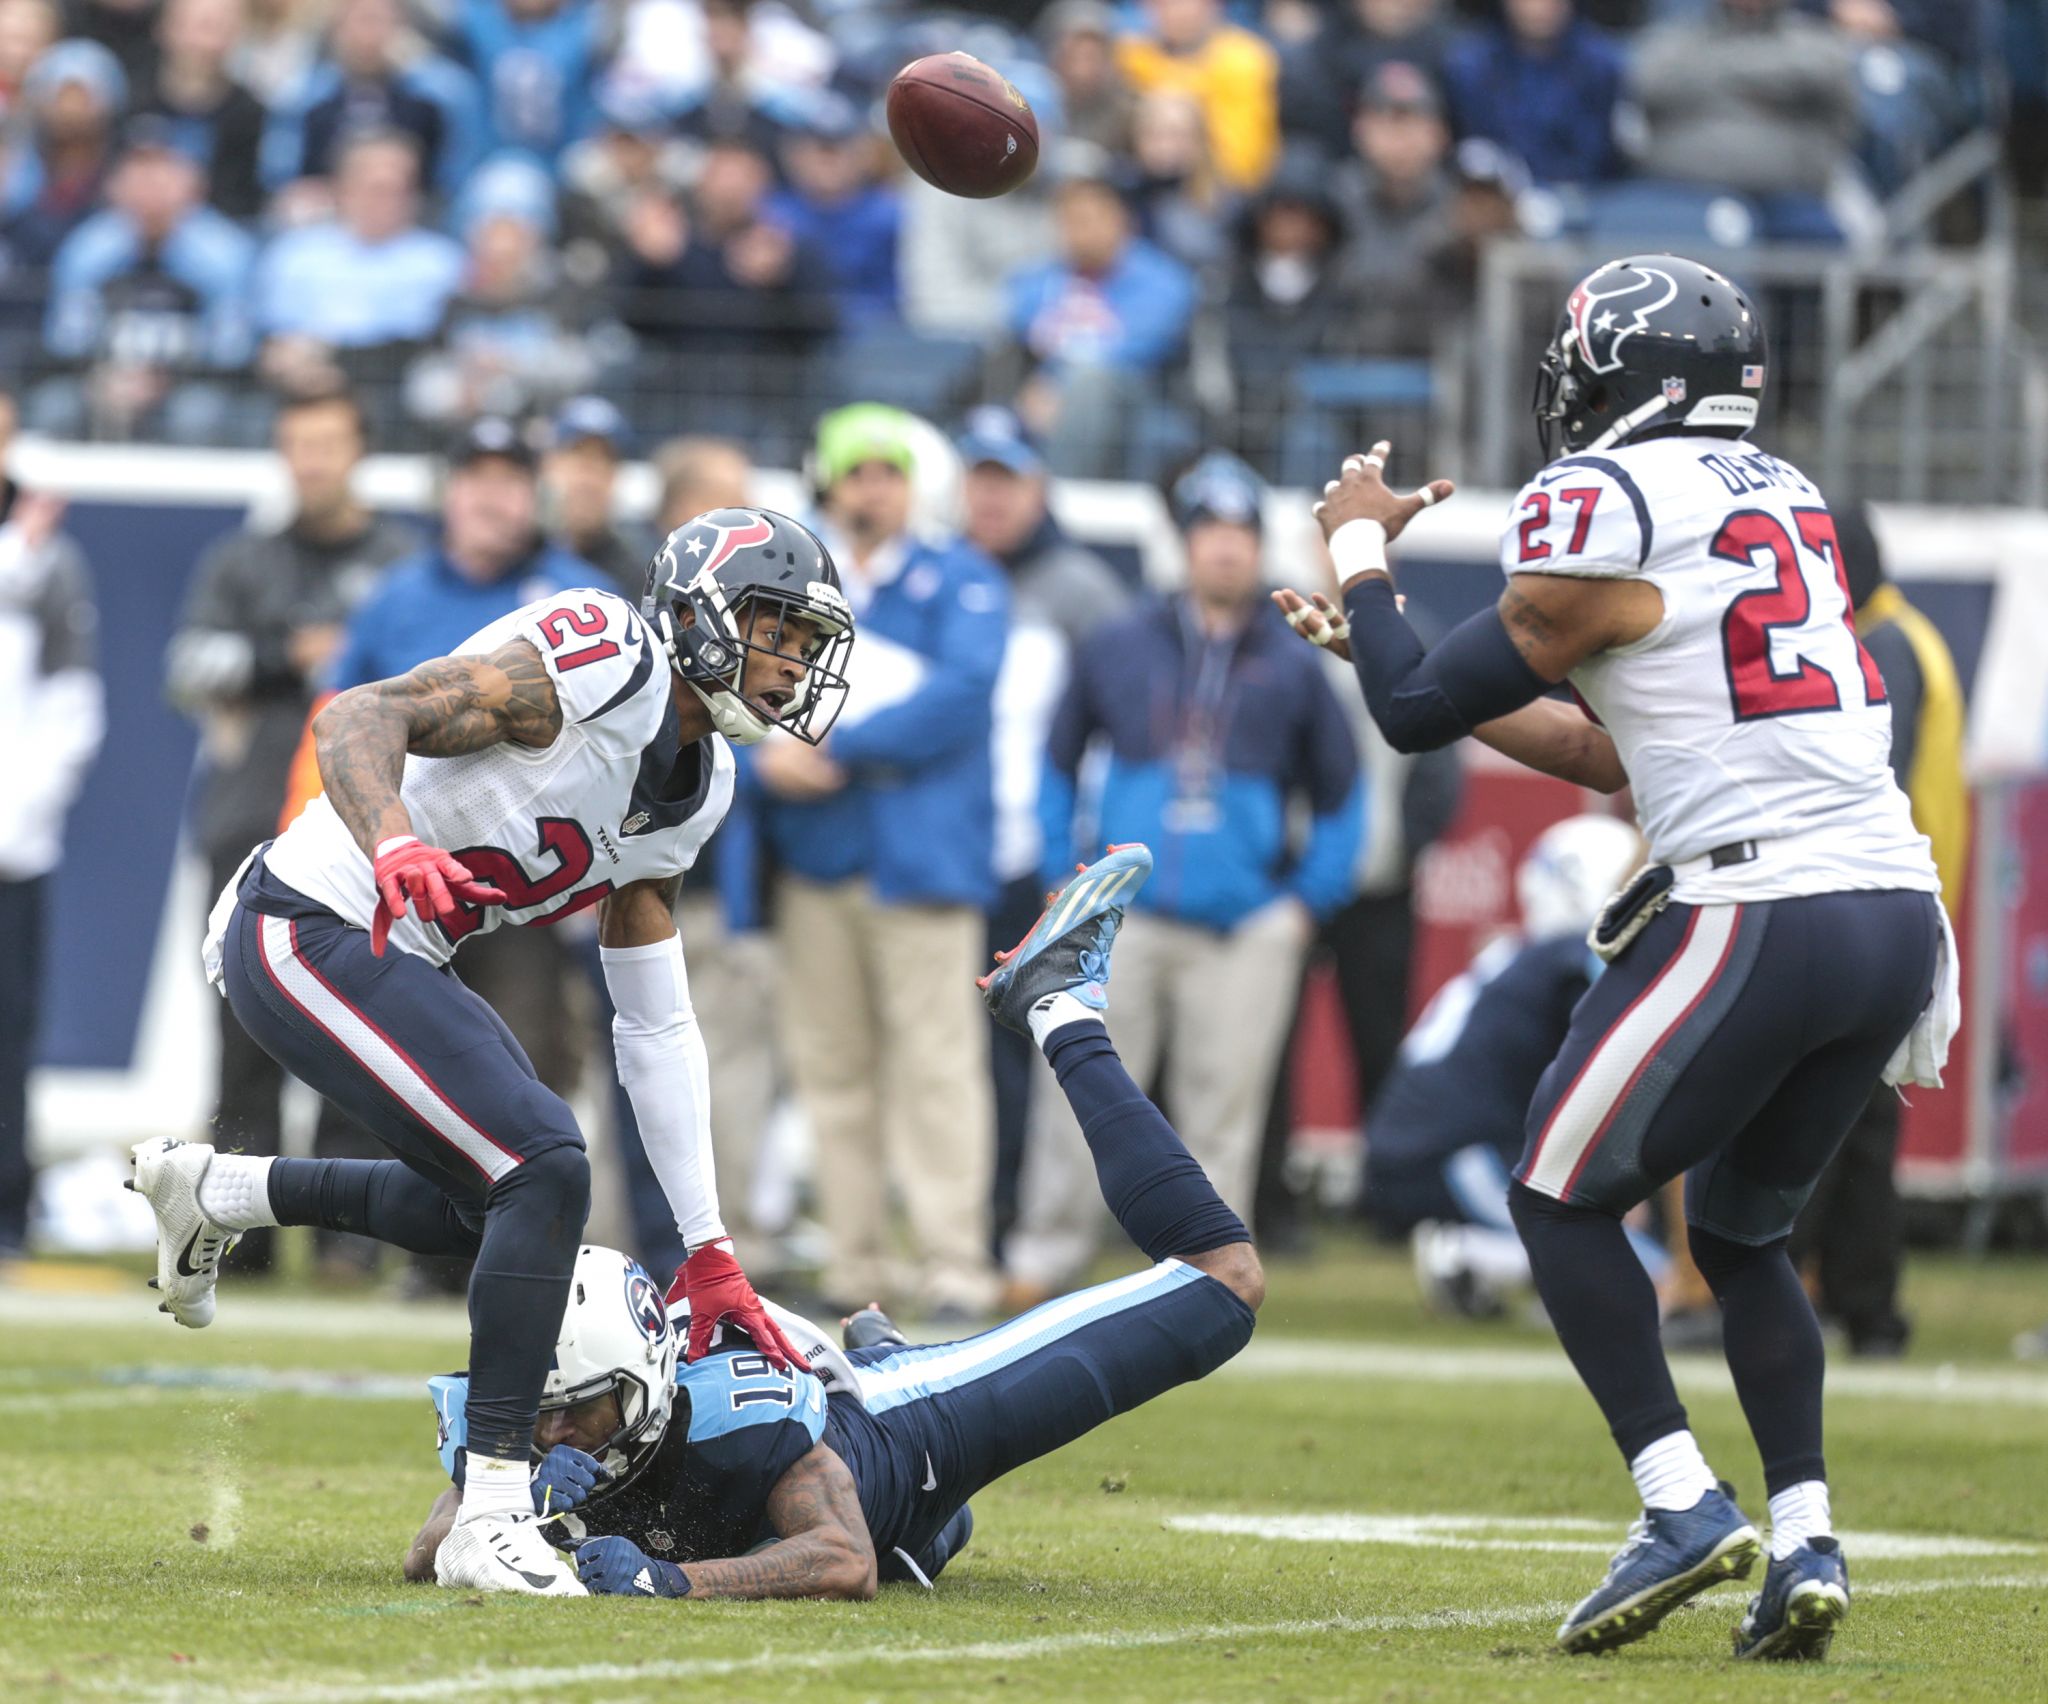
(962, 127)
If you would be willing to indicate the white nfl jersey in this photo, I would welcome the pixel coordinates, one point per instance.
(1752, 712)
(615, 799)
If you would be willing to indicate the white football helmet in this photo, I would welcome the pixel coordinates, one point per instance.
(616, 1337)
(1572, 871)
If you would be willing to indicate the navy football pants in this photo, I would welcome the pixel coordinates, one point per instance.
(489, 1160)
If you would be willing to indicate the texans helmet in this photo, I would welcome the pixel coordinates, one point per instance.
(706, 588)
(1652, 344)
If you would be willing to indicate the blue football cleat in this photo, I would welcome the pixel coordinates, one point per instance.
(1671, 1556)
(1805, 1598)
(1067, 949)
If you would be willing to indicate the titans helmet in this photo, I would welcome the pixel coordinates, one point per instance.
(1574, 868)
(707, 587)
(616, 1340)
(1647, 345)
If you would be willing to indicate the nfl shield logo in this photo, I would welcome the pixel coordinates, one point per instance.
(1674, 391)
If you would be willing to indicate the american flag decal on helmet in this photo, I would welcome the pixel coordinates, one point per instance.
(1752, 378)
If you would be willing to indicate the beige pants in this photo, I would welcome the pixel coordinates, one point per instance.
(888, 1047)
(1217, 1006)
(732, 988)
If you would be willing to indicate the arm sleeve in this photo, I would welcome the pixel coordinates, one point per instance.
(1422, 700)
(950, 708)
(662, 1065)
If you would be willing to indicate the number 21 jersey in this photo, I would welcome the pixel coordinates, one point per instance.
(1751, 712)
(615, 799)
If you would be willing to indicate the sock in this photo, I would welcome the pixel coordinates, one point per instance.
(491, 1486)
(1798, 1513)
(1055, 1012)
(235, 1192)
(1158, 1192)
(1671, 1473)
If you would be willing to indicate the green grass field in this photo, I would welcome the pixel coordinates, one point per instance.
(220, 1515)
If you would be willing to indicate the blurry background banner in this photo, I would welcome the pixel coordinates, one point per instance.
(128, 1035)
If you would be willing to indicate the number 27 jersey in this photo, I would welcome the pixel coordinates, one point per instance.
(615, 799)
(1751, 712)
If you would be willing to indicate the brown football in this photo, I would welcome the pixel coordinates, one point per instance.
(961, 127)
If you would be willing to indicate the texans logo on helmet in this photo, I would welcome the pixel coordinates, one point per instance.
(707, 557)
(1598, 305)
(643, 1300)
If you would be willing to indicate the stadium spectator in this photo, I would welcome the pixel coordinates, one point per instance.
(276, 48)
(513, 337)
(74, 96)
(1078, 37)
(377, 75)
(1543, 84)
(220, 124)
(579, 483)
(750, 60)
(1096, 325)
(27, 29)
(631, 155)
(1852, 1232)
(883, 837)
(125, 28)
(1232, 75)
(835, 206)
(535, 62)
(1754, 98)
(1060, 592)
(1217, 730)
(1181, 205)
(149, 308)
(363, 290)
(958, 255)
(1320, 78)
(262, 622)
(53, 708)
(1396, 197)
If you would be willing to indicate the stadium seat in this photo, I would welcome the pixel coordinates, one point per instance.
(893, 364)
(1652, 213)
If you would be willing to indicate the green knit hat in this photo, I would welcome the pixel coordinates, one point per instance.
(862, 432)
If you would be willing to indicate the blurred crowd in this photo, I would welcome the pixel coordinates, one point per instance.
(1249, 217)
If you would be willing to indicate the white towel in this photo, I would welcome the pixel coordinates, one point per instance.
(1921, 1056)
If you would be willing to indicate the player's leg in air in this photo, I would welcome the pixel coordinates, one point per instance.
(941, 1421)
(490, 1165)
(1733, 1044)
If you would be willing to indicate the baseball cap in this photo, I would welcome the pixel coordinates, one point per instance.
(585, 417)
(1218, 487)
(1398, 86)
(995, 436)
(862, 432)
(78, 61)
(491, 435)
(507, 186)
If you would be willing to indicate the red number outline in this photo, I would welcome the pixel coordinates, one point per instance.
(1586, 498)
(1817, 533)
(561, 838)
(1533, 548)
(1755, 687)
(589, 620)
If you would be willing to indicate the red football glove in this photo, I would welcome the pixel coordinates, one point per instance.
(718, 1290)
(411, 873)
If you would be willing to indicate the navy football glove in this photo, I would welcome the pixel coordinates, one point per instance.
(617, 1567)
(566, 1479)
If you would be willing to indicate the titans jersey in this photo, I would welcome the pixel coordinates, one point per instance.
(738, 1427)
(1751, 712)
(615, 799)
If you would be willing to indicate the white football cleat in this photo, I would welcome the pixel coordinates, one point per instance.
(504, 1553)
(189, 1245)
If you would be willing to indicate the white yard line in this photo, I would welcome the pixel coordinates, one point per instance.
(505, 1683)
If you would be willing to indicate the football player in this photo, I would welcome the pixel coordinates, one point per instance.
(1784, 951)
(573, 753)
(750, 1480)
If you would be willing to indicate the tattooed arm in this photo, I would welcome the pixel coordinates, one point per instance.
(821, 1550)
(1557, 621)
(444, 708)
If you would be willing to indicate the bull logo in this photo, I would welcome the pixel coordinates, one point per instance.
(1612, 306)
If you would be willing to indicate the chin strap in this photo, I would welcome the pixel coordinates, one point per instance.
(731, 714)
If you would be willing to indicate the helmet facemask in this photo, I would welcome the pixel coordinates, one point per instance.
(642, 1420)
(712, 654)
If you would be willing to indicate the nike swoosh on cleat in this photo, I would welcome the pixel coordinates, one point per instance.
(540, 1582)
(185, 1267)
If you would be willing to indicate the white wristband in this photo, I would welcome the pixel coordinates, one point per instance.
(1358, 547)
(392, 845)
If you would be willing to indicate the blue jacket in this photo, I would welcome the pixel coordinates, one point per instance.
(917, 816)
(423, 608)
(856, 239)
(1209, 743)
(184, 306)
(537, 74)
(1133, 318)
(1556, 112)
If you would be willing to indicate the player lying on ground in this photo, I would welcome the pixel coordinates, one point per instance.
(748, 1481)
(573, 753)
(1787, 947)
